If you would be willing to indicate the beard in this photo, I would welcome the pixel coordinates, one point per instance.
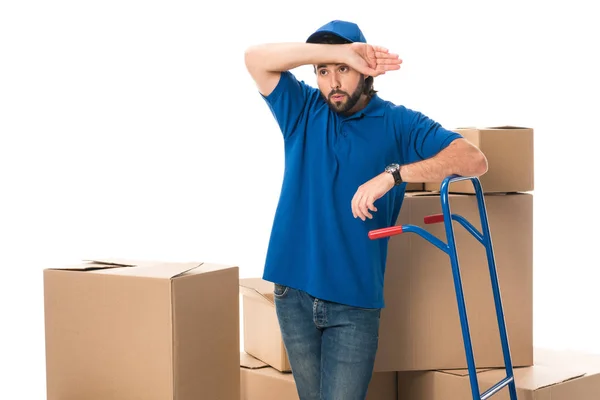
(344, 106)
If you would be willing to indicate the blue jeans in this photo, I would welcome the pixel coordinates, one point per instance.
(331, 346)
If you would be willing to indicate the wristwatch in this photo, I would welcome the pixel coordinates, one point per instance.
(394, 169)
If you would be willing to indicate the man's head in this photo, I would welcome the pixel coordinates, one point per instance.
(345, 89)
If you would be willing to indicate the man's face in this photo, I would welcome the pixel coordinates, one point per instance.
(341, 86)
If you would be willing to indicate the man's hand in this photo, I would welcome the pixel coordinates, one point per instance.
(372, 60)
(369, 192)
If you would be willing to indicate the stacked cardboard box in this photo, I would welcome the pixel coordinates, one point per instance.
(555, 375)
(121, 330)
(509, 151)
(420, 326)
(422, 311)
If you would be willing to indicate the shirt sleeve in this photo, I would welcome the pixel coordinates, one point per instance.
(422, 137)
(288, 102)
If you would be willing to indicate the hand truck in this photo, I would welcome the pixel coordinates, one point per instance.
(450, 248)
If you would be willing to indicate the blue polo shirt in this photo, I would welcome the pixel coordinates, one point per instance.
(316, 245)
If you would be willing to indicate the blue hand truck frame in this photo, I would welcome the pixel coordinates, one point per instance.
(449, 248)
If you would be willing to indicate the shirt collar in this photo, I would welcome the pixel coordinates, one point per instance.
(375, 108)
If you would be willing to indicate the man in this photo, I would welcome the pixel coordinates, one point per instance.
(348, 154)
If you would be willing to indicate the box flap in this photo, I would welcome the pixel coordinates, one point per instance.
(558, 358)
(247, 361)
(140, 268)
(212, 267)
(258, 288)
(105, 263)
(529, 378)
(538, 377)
(118, 262)
(506, 127)
(161, 270)
(534, 378)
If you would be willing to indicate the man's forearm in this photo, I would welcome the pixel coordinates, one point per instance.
(460, 158)
(278, 57)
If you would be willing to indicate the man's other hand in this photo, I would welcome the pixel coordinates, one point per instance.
(363, 202)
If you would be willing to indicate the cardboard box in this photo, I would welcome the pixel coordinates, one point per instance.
(415, 187)
(262, 337)
(261, 382)
(420, 327)
(555, 376)
(119, 330)
(509, 151)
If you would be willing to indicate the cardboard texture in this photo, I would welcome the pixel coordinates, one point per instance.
(509, 151)
(415, 187)
(119, 329)
(420, 327)
(262, 337)
(261, 382)
(556, 375)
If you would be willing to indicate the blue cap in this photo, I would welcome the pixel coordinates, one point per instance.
(344, 29)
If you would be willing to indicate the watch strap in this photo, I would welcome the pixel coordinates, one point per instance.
(394, 169)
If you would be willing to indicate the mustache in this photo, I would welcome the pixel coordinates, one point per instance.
(336, 92)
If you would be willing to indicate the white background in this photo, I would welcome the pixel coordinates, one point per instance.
(131, 129)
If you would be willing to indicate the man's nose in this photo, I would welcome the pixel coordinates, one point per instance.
(335, 83)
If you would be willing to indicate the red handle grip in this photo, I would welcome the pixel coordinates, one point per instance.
(433, 219)
(385, 232)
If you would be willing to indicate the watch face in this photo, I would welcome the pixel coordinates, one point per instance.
(392, 167)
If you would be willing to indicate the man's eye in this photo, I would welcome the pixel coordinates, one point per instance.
(343, 69)
(322, 72)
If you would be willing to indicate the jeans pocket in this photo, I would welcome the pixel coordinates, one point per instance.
(280, 290)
